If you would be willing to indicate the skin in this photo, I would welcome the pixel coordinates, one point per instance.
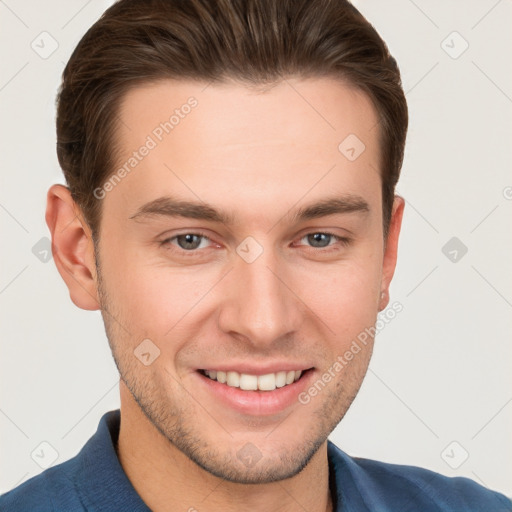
(259, 156)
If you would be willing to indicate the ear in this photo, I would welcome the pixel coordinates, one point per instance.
(391, 250)
(72, 247)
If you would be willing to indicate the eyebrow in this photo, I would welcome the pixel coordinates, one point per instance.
(172, 207)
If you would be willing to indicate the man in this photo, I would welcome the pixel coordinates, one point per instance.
(230, 208)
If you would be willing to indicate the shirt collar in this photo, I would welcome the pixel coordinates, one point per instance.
(101, 481)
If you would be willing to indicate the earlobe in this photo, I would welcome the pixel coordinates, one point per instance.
(391, 250)
(384, 300)
(72, 247)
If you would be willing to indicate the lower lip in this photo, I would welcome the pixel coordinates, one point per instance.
(258, 403)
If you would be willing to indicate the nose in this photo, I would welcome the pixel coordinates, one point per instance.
(259, 303)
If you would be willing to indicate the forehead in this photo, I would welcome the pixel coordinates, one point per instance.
(229, 142)
(234, 113)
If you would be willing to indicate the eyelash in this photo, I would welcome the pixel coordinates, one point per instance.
(167, 243)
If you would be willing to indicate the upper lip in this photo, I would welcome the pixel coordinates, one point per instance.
(252, 369)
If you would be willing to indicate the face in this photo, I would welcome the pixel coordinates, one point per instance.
(245, 245)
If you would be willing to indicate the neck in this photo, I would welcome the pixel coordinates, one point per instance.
(166, 479)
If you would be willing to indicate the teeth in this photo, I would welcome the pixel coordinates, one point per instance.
(280, 379)
(247, 382)
(233, 379)
(267, 382)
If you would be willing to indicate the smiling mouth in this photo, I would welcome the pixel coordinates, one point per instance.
(248, 382)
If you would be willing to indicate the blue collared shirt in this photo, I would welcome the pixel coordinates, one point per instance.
(94, 480)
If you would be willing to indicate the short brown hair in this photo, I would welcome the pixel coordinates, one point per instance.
(253, 41)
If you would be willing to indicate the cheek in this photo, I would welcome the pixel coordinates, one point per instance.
(150, 297)
(344, 296)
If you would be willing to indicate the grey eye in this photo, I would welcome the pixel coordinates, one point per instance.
(319, 239)
(189, 241)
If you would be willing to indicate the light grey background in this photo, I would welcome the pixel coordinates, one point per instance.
(439, 386)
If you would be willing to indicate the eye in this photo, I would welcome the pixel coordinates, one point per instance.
(321, 240)
(188, 241)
